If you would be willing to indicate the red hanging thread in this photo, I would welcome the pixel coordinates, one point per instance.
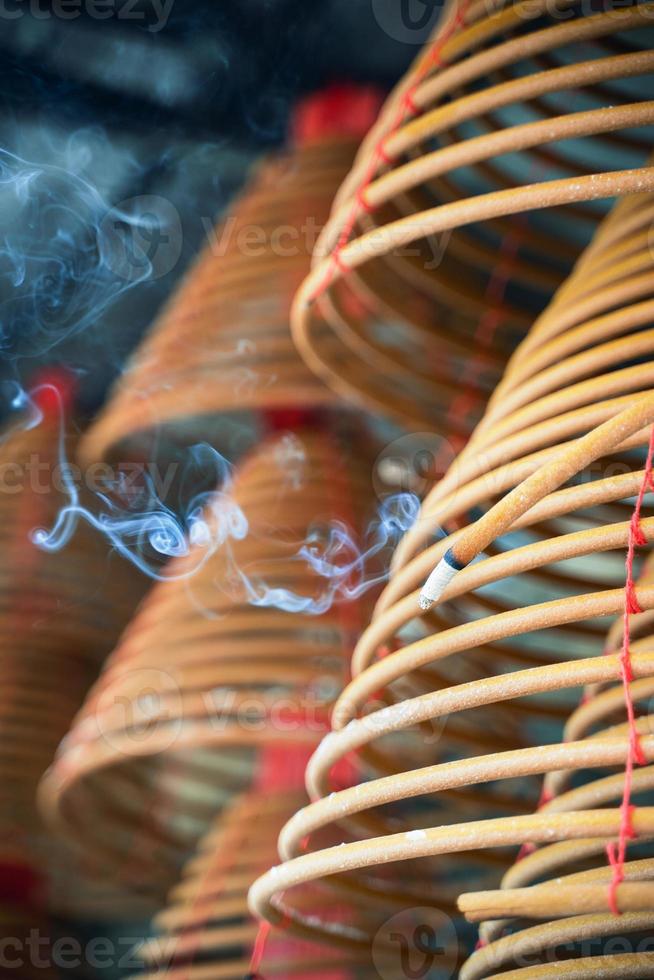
(258, 950)
(362, 201)
(490, 321)
(407, 107)
(381, 154)
(635, 755)
(410, 103)
(279, 766)
(528, 847)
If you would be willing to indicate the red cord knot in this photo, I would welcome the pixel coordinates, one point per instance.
(526, 849)
(481, 943)
(363, 202)
(338, 261)
(634, 750)
(410, 103)
(636, 747)
(633, 605)
(435, 58)
(627, 676)
(343, 237)
(617, 878)
(259, 948)
(628, 817)
(636, 530)
(384, 156)
(545, 797)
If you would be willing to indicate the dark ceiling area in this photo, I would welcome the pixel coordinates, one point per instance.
(112, 110)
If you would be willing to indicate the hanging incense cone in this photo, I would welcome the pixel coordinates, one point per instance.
(537, 512)
(246, 644)
(60, 615)
(446, 238)
(222, 345)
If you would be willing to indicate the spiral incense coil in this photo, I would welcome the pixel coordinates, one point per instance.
(59, 616)
(212, 667)
(205, 931)
(223, 343)
(541, 496)
(552, 902)
(446, 240)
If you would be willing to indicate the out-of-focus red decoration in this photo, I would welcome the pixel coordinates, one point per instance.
(20, 884)
(339, 110)
(49, 401)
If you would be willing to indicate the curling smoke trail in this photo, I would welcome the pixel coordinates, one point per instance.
(148, 532)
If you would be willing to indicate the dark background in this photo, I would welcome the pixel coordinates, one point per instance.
(97, 112)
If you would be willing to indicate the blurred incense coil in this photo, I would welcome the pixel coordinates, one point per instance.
(553, 901)
(223, 343)
(206, 931)
(60, 614)
(213, 666)
(471, 199)
(543, 496)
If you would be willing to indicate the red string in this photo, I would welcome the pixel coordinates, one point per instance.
(490, 321)
(527, 848)
(279, 765)
(363, 202)
(259, 948)
(410, 103)
(635, 755)
(407, 106)
(385, 157)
